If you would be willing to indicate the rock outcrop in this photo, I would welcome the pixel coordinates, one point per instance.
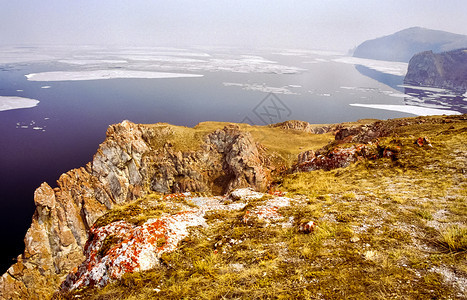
(303, 126)
(402, 45)
(121, 247)
(338, 157)
(68, 241)
(127, 166)
(443, 70)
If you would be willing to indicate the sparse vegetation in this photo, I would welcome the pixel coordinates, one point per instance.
(280, 143)
(385, 230)
(454, 238)
(138, 212)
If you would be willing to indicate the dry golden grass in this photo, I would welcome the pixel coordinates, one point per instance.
(284, 144)
(386, 230)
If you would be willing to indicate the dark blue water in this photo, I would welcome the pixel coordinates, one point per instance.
(74, 116)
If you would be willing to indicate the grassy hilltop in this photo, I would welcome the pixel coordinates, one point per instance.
(386, 228)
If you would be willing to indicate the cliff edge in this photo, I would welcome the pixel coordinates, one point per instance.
(240, 211)
(134, 160)
(442, 70)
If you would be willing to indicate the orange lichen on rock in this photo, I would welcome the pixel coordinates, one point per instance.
(134, 248)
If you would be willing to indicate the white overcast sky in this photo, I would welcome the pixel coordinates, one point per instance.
(317, 24)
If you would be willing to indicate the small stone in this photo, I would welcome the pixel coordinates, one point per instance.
(307, 227)
(423, 142)
(354, 239)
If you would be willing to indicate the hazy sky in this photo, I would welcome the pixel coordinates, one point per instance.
(319, 24)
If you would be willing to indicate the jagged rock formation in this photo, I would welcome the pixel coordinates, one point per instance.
(402, 45)
(443, 70)
(126, 166)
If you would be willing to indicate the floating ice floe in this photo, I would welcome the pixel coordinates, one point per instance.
(91, 61)
(261, 88)
(165, 59)
(424, 88)
(410, 109)
(219, 63)
(398, 95)
(388, 67)
(103, 74)
(305, 52)
(169, 52)
(46, 87)
(8, 103)
(248, 65)
(18, 55)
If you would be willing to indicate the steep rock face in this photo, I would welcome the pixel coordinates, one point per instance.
(124, 168)
(443, 70)
(243, 163)
(228, 159)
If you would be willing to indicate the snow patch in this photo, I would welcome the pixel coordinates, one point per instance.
(424, 88)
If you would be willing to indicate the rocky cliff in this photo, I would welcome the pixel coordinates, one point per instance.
(165, 211)
(402, 45)
(133, 161)
(443, 70)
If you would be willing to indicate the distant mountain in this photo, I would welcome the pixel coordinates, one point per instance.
(443, 70)
(402, 45)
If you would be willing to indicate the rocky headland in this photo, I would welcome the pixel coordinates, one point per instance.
(404, 44)
(442, 70)
(239, 211)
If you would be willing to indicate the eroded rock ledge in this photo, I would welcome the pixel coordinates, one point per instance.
(126, 166)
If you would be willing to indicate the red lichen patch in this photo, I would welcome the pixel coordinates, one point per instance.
(277, 193)
(137, 248)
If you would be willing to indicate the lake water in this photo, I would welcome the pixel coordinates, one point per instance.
(64, 130)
